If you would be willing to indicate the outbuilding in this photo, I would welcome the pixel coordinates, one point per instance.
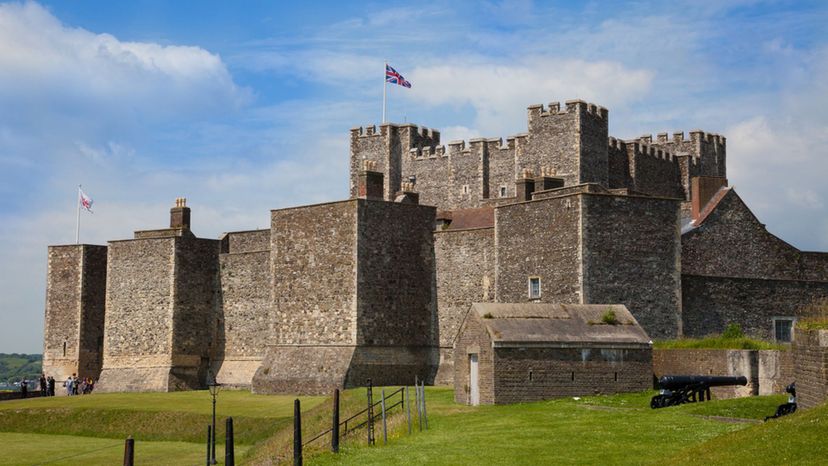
(511, 353)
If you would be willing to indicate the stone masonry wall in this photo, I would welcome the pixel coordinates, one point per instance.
(631, 256)
(465, 275)
(533, 374)
(74, 317)
(243, 330)
(710, 303)
(810, 349)
(395, 274)
(539, 239)
(313, 274)
(248, 241)
(195, 314)
(733, 243)
(473, 339)
(139, 305)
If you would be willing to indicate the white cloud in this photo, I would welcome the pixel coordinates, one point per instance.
(63, 69)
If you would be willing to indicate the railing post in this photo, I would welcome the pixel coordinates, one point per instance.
(297, 434)
(335, 423)
(129, 452)
(408, 407)
(229, 449)
(417, 397)
(384, 425)
(425, 413)
(209, 437)
(370, 414)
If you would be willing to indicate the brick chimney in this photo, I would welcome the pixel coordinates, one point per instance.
(370, 181)
(702, 189)
(525, 186)
(180, 214)
(548, 180)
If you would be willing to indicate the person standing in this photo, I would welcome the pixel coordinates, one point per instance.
(24, 388)
(68, 385)
(43, 385)
(51, 382)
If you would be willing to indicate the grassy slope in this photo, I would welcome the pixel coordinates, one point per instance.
(795, 439)
(718, 342)
(165, 425)
(68, 450)
(597, 430)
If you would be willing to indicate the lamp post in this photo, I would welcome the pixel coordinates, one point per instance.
(214, 387)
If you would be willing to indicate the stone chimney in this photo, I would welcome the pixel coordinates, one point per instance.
(370, 181)
(548, 180)
(525, 186)
(180, 214)
(407, 194)
(702, 189)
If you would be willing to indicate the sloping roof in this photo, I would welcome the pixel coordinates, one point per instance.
(541, 324)
(461, 219)
(711, 205)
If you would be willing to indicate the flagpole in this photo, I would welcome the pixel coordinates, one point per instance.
(384, 87)
(77, 220)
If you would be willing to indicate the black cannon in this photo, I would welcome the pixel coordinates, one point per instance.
(786, 408)
(680, 389)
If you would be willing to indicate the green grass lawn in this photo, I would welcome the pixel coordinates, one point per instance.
(29, 449)
(619, 429)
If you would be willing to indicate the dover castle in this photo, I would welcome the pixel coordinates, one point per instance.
(377, 286)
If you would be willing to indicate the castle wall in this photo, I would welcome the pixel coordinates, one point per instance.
(731, 242)
(432, 170)
(810, 348)
(248, 241)
(243, 327)
(465, 275)
(139, 305)
(542, 239)
(501, 168)
(161, 313)
(353, 296)
(74, 318)
(710, 303)
(631, 256)
(702, 154)
(618, 165)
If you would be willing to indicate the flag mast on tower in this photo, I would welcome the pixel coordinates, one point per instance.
(391, 76)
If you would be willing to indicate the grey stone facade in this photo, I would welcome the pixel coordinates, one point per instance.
(377, 286)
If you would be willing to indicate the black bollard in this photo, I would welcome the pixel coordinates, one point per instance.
(335, 423)
(209, 437)
(229, 450)
(129, 451)
(297, 434)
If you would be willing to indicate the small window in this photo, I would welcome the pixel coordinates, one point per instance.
(64, 349)
(783, 329)
(503, 191)
(530, 375)
(465, 189)
(534, 288)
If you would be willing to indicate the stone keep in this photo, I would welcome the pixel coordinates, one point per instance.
(377, 286)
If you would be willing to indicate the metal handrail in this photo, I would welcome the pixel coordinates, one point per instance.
(360, 413)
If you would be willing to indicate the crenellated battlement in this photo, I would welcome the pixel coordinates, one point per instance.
(570, 107)
(371, 130)
(679, 138)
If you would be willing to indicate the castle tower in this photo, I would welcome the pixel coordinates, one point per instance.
(75, 290)
(161, 306)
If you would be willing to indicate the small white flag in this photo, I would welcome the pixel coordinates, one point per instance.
(85, 201)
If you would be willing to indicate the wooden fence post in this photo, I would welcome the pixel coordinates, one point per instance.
(129, 452)
(384, 425)
(229, 449)
(335, 423)
(297, 433)
(370, 413)
(425, 414)
(408, 407)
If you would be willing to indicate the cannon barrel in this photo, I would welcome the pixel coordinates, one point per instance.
(672, 382)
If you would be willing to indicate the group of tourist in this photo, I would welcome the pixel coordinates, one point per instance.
(73, 385)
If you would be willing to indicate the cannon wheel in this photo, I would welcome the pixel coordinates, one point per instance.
(658, 401)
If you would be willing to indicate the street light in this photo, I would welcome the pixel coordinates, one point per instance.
(214, 388)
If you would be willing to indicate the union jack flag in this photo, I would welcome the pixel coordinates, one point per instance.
(391, 76)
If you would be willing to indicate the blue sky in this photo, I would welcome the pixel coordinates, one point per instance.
(244, 107)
